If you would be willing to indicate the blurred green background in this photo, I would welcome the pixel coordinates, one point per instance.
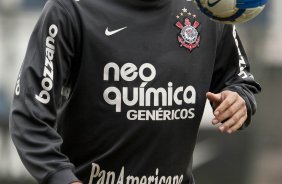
(253, 156)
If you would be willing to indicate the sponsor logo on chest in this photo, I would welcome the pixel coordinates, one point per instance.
(141, 96)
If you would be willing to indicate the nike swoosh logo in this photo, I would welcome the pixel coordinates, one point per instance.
(212, 4)
(110, 33)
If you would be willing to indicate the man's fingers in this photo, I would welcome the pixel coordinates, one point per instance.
(214, 97)
(231, 108)
(234, 123)
(226, 103)
(238, 125)
(228, 112)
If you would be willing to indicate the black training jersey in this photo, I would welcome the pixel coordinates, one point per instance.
(113, 91)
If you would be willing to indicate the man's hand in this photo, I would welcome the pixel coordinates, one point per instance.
(230, 108)
(76, 183)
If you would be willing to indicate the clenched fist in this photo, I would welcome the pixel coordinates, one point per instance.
(230, 110)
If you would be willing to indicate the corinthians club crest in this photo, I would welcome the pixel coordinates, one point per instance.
(188, 36)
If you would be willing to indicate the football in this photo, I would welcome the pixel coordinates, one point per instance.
(231, 11)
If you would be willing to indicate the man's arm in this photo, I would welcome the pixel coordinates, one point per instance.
(37, 98)
(233, 86)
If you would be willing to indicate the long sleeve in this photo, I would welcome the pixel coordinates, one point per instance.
(37, 98)
(232, 70)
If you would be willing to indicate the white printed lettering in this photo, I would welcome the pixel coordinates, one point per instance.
(143, 96)
(109, 177)
(47, 81)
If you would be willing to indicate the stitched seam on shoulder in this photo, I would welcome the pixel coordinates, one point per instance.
(66, 10)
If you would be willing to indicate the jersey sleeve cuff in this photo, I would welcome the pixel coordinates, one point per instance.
(249, 113)
(63, 176)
